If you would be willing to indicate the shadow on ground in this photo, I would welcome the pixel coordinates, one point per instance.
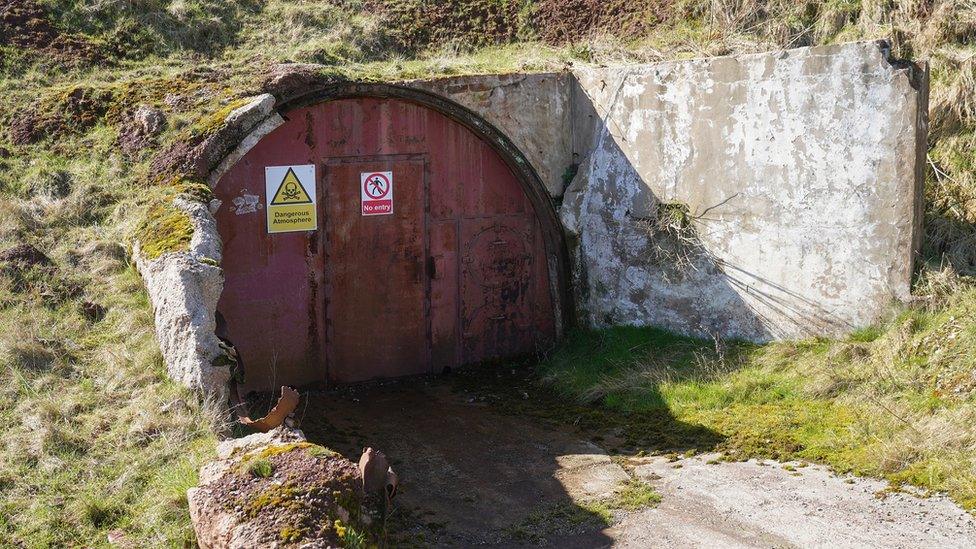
(486, 456)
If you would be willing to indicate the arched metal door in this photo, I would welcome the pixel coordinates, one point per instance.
(456, 274)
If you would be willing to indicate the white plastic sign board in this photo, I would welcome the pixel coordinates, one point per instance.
(376, 191)
(290, 198)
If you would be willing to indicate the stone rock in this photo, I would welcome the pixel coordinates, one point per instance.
(303, 494)
(184, 288)
(149, 120)
(141, 129)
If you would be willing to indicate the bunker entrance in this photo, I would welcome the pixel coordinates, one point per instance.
(371, 237)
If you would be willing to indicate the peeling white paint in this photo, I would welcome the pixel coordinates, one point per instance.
(247, 203)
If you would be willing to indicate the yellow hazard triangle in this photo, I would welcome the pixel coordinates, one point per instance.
(290, 191)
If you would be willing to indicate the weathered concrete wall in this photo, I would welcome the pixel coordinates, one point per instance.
(184, 288)
(532, 110)
(800, 171)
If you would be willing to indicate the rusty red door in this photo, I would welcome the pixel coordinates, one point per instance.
(458, 274)
(376, 273)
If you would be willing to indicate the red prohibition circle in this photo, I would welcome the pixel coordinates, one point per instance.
(379, 192)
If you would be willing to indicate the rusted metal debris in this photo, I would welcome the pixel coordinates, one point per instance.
(285, 406)
(377, 474)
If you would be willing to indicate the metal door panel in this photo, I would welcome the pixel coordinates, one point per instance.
(271, 295)
(443, 265)
(446, 312)
(376, 272)
(497, 287)
(489, 187)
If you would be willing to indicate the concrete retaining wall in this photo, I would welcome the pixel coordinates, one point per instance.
(796, 176)
(800, 171)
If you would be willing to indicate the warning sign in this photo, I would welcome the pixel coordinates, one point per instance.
(376, 192)
(290, 195)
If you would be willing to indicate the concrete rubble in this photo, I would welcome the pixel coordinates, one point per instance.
(275, 489)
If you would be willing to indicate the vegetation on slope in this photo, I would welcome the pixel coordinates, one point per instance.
(96, 439)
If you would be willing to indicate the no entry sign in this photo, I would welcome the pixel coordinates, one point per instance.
(376, 191)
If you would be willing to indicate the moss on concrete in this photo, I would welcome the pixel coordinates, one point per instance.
(313, 450)
(165, 228)
(209, 124)
(276, 495)
(291, 534)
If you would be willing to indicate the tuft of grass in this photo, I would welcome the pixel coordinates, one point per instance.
(260, 468)
(634, 495)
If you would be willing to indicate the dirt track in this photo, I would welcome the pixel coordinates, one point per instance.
(474, 475)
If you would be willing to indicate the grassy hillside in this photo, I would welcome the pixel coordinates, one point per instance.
(96, 440)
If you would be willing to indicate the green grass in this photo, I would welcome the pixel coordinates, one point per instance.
(633, 496)
(95, 437)
(894, 401)
(260, 468)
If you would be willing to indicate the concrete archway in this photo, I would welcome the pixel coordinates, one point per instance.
(532, 185)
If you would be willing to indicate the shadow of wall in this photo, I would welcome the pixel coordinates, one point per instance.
(632, 265)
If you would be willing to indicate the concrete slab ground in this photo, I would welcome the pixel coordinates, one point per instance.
(469, 474)
(473, 474)
(771, 504)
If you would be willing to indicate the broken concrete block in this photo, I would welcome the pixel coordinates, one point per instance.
(277, 489)
(184, 288)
